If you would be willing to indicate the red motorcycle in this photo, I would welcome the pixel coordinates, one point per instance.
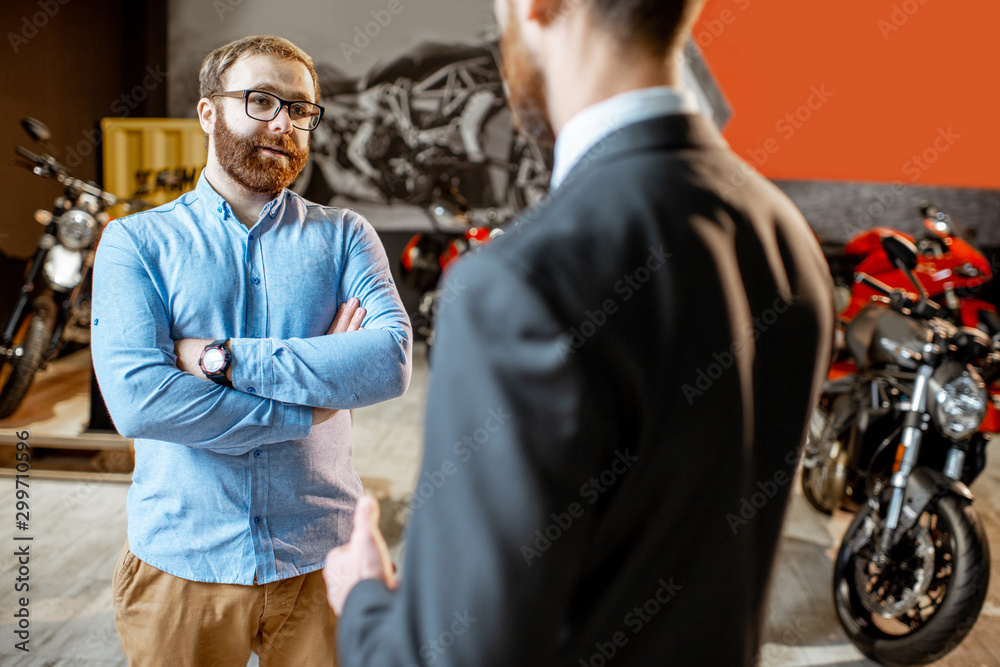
(427, 256)
(951, 271)
(951, 274)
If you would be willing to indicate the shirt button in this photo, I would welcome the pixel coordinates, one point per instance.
(251, 390)
(256, 519)
(255, 280)
(95, 321)
(250, 238)
(256, 454)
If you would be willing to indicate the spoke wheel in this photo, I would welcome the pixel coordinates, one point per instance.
(32, 337)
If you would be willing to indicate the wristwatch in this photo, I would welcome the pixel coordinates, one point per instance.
(214, 361)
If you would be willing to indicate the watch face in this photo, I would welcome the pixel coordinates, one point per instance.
(214, 360)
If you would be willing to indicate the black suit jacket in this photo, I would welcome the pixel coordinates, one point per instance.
(619, 392)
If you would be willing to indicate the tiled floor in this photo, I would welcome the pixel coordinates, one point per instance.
(79, 527)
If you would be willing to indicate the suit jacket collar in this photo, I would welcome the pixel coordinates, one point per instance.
(673, 132)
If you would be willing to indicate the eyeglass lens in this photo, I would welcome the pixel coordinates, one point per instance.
(264, 107)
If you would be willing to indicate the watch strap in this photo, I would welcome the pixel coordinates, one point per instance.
(219, 376)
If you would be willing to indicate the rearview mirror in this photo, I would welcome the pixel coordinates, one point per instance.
(900, 251)
(36, 129)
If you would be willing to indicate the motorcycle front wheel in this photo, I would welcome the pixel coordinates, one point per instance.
(33, 336)
(921, 603)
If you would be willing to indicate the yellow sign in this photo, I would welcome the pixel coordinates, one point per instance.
(153, 159)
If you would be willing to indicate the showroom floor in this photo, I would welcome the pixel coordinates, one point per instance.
(78, 525)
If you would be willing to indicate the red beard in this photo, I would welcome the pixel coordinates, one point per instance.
(526, 84)
(246, 163)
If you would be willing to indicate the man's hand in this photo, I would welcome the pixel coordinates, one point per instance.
(348, 318)
(365, 556)
(188, 351)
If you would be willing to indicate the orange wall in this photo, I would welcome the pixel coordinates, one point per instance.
(901, 104)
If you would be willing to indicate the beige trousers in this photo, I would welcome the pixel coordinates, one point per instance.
(166, 620)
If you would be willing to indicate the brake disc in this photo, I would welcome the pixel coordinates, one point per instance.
(895, 589)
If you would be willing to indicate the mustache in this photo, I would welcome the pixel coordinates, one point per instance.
(281, 143)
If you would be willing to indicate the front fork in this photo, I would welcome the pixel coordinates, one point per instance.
(914, 423)
(6, 348)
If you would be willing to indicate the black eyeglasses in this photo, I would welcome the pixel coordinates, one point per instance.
(266, 107)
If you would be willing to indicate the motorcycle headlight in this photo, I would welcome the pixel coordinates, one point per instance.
(76, 229)
(63, 268)
(960, 405)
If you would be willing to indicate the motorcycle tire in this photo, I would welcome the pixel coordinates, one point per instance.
(961, 546)
(33, 337)
(810, 495)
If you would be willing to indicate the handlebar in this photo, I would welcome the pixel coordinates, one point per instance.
(923, 309)
(873, 283)
(48, 166)
(28, 155)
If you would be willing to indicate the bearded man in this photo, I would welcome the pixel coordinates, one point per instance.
(233, 328)
(620, 376)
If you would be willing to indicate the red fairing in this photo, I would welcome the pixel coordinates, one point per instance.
(991, 422)
(960, 267)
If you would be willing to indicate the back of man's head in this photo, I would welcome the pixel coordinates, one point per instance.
(659, 26)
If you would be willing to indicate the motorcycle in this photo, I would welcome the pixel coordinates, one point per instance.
(431, 129)
(426, 257)
(952, 271)
(899, 441)
(53, 307)
(430, 126)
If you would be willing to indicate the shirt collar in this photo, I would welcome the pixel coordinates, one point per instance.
(216, 201)
(588, 127)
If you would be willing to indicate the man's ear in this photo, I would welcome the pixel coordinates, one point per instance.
(206, 115)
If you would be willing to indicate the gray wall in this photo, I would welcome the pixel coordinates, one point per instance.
(321, 28)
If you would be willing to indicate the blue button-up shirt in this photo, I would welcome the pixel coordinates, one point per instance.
(234, 485)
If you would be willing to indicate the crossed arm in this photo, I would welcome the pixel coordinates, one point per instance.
(150, 383)
(349, 317)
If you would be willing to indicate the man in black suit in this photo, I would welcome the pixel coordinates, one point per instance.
(619, 391)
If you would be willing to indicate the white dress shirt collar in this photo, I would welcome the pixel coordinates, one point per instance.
(588, 127)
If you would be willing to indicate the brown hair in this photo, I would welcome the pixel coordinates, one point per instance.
(214, 67)
(659, 25)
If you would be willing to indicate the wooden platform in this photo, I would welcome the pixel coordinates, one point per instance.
(79, 527)
(55, 414)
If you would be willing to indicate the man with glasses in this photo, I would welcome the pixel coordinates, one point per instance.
(233, 328)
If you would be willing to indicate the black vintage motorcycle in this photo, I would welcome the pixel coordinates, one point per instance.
(428, 127)
(899, 441)
(53, 307)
